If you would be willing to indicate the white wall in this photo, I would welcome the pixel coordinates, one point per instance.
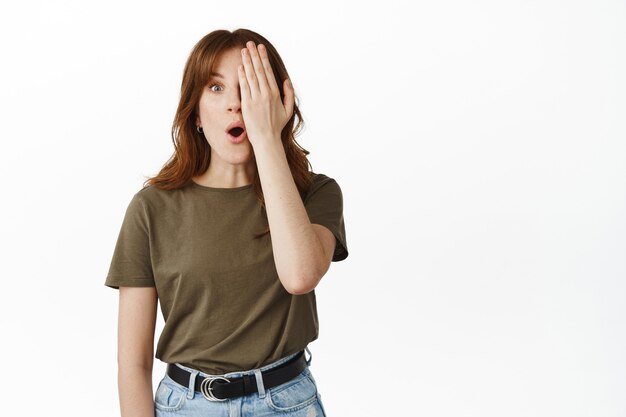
(480, 147)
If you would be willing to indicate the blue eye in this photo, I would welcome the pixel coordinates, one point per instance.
(214, 85)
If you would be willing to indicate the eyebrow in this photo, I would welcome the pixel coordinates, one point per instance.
(216, 74)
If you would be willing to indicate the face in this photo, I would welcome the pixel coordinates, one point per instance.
(220, 105)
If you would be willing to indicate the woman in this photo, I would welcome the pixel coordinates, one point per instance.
(239, 305)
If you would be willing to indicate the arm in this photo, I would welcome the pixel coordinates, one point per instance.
(302, 251)
(136, 323)
(300, 255)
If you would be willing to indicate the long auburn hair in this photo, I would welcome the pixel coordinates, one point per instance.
(192, 153)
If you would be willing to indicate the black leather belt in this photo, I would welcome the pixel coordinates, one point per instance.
(219, 388)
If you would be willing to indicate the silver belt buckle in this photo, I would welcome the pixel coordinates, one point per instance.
(207, 391)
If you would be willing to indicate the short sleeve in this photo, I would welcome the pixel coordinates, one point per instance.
(131, 263)
(324, 205)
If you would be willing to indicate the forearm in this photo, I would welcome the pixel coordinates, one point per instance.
(135, 392)
(296, 247)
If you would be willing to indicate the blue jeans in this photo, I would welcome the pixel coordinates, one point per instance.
(294, 398)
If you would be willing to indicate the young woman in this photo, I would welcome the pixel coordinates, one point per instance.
(238, 301)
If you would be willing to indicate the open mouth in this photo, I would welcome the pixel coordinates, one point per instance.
(235, 131)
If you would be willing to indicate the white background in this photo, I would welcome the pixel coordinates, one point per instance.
(481, 151)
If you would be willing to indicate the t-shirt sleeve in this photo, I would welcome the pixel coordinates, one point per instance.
(131, 263)
(324, 205)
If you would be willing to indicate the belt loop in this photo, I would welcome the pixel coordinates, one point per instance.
(259, 383)
(192, 385)
(308, 362)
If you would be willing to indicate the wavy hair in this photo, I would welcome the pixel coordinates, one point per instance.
(192, 152)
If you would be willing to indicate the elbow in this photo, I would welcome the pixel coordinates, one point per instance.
(304, 280)
(303, 284)
(301, 290)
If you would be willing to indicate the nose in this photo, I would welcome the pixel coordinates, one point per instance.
(234, 101)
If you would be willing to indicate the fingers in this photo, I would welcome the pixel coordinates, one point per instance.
(249, 73)
(243, 84)
(257, 77)
(255, 73)
(269, 74)
(259, 70)
(289, 97)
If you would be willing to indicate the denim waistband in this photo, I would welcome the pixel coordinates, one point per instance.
(237, 374)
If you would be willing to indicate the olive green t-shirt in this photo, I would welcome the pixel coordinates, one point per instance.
(224, 307)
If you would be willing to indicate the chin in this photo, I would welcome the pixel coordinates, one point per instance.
(240, 158)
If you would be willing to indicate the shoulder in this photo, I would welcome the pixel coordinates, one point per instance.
(144, 195)
(153, 198)
(321, 181)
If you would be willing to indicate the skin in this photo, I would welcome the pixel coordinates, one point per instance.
(232, 165)
(249, 92)
(302, 251)
(135, 350)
